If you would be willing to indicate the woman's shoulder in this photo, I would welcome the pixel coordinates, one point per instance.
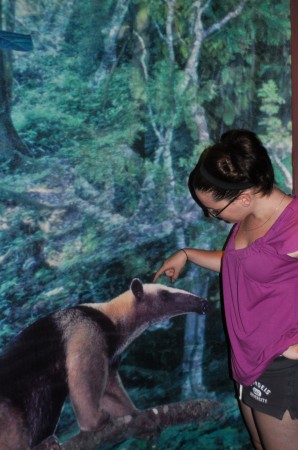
(284, 233)
(290, 213)
(294, 201)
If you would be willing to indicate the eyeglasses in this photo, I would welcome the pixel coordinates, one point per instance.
(216, 212)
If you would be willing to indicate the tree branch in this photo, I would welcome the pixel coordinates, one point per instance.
(231, 15)
(284, 170)
(200, 35)
(110, 41)
(157, 132)
(147, 423)
(193, 60)
(169, 28)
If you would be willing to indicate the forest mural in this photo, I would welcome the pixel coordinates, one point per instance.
(100, 125)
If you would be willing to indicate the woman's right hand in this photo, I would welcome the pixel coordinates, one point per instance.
(172, 266)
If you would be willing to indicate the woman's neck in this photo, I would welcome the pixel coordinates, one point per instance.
(265, 209)
(264, 212)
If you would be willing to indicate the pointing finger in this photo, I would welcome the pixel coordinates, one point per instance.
(157, 275)
(167, 272)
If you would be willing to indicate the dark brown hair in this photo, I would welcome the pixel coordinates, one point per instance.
(238, 161)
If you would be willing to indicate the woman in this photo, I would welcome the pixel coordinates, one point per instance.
(234, 181)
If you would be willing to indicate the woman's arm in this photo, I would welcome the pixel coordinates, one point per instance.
(203, 258)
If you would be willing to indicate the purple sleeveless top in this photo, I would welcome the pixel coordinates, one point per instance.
(260, 285)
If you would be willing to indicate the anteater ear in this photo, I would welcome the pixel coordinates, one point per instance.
(137, 288)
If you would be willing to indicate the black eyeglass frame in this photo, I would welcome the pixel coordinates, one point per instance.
(212, 212)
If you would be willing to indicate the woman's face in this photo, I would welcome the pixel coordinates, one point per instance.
(227, 209)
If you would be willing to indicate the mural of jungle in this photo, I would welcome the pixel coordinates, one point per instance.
(101, 122)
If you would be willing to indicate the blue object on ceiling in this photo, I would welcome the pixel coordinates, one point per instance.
(15, 41)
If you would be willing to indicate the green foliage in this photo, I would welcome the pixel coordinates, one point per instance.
(161, 93)
(271, 99)
(247, 49)
(275, 131)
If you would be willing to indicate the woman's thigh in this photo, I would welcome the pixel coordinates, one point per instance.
(268, 432)
(276, 434)
(249, 420)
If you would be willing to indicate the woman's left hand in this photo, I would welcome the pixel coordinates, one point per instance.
(291, 352)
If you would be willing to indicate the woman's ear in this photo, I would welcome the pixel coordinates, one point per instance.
(245, 198)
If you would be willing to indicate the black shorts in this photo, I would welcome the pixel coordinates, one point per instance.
(275, 391)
